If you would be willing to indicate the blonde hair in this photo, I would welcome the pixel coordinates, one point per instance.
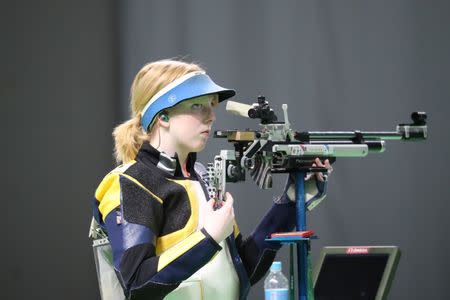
(151, 78)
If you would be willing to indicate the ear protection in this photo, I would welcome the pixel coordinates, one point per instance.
(164, 117)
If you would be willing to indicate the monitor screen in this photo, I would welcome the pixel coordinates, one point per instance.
(355, 272)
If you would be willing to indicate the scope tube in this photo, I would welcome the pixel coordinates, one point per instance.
(306, 136)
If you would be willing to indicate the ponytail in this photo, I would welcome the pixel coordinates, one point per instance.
(128, 138)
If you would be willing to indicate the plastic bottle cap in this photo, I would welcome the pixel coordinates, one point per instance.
(276, 266)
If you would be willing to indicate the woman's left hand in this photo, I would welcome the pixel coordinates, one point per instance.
(326, 164)
(289, 188)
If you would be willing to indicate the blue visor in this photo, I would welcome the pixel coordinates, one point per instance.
(187, 87)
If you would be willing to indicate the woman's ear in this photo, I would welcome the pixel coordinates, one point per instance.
(164, 117)
(163, 120)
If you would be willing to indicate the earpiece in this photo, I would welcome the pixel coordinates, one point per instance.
(164, 117)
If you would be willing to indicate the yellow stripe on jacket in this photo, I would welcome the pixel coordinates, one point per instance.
(179, 249)
(108, 192)
(167, 241)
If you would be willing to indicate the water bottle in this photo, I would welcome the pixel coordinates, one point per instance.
(276, 285)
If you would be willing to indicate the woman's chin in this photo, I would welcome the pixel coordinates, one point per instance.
(197, 147)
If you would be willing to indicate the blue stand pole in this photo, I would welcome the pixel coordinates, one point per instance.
(302, 247)
(302, 242)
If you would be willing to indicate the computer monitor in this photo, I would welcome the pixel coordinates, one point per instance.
(355, 272)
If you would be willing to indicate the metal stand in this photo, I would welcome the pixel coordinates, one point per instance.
(302, 243)
(302, 246)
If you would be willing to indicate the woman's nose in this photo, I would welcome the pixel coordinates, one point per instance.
(210, 114)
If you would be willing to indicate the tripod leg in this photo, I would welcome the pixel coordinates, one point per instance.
(291, 273)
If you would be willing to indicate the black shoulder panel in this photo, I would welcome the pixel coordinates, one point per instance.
(139, 206)
(151, 177)
(178, 207)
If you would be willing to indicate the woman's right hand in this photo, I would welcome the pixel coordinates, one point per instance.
(219, 223)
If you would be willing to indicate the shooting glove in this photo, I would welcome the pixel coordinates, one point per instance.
(315, 191)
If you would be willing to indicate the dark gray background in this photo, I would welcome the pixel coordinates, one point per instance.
(339, 65)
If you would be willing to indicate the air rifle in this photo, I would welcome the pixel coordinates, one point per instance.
(277, 148)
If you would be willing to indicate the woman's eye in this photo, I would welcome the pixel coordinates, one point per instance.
(197, 106)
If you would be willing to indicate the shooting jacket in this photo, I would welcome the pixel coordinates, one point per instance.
(151, 214)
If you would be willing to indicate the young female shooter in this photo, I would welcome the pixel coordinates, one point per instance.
(168, 240)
